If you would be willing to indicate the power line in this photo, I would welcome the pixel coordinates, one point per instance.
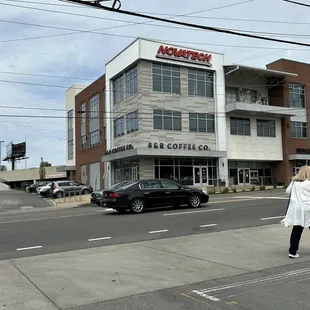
(298, 3)
(214, 29)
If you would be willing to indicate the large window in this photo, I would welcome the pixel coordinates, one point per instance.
(94, 107)
(296, 95)
(118, 94)
(166, 78)
(167, 120)
(94, 138)
(240, 126)
(201, 122)
(70, 149)
(83, 142)
(132, 123)
(299, 130)
(266, 128)
(83, 113)
(119, 127)
(131, 77)
(70, 135)
(200, 83)
(124, 170)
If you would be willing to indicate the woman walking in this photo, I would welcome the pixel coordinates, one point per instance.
(298, 211)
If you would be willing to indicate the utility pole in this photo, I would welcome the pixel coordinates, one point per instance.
(0, 152)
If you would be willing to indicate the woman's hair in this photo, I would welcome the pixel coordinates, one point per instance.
(303, 174)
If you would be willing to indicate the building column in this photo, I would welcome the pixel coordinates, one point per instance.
(223, 170)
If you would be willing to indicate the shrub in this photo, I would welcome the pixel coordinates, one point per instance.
(253, 188)
(262, 188)
(285, 185)
(234, 190)
(225, 190)
(275, 186)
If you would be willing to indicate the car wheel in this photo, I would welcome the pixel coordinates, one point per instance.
(86, 192)
(59, 195)
(137, 205)
(121, 210)
(194, 201)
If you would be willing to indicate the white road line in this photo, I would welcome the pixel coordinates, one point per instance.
(109, 209)
(208, 225)
(98, 239)
(29, 248)
(271, 218)
(158, 231)
(192, 212)
(261, 197)
(26, 207)
(48, 218)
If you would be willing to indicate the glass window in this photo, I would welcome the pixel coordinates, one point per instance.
(240, 126)
(119, 127)
(70, 119)
(94, 138)
(132, 123)
(167, 120)
(70, 149)
(94, 106)
(83, 142)
(299, 130)
(83, 113)
(169, 184)
(231, 95)
(131, 77)
(266, 128)
(150, 185)
(166, 78)
(200, 83)
(296, 95)
(118, 95)
(201, 122)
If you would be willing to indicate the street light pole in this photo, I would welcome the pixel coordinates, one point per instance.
(0, 152)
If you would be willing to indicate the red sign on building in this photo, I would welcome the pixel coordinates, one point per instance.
(185, 55)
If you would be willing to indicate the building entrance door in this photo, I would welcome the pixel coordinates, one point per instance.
(134, 173)
(244, 176)
(200, 175)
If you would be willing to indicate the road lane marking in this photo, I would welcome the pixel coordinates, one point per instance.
(158, 231)
(208, 225)
(233, 200)
(192, 212)
(26, 207)
(98, 239)
(48, 218)
(271, 218)
(29, 248)
(263, 197)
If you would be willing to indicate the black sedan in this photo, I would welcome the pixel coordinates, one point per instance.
(139, 195)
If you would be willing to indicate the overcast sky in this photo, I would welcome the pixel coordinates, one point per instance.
(80, 57)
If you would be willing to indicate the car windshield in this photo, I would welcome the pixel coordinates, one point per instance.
(126, 185)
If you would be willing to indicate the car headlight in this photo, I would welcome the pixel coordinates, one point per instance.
(205, 192)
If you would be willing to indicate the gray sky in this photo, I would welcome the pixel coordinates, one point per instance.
(80, 57)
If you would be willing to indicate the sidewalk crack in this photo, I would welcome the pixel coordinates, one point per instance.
(23, 274)
(198, 258)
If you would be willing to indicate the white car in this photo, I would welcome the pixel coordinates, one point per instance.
(44, 187)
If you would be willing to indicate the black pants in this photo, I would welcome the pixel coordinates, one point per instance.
(295, 239)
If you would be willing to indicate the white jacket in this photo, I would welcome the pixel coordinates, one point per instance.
(298, 212)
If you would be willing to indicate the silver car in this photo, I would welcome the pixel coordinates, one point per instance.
(66, 188)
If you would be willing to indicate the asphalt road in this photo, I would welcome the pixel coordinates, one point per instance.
(40, 232)
(283, 288)
(20, 200)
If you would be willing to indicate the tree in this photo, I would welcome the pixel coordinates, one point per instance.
(3, 168)
(42, 170)
(47, 164)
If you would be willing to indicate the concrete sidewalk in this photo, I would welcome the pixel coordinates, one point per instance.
(64, 280)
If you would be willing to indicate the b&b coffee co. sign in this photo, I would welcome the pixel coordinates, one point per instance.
(179, 146)
(173, 53)
(119, 149)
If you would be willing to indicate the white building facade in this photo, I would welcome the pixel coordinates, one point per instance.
(181, 113)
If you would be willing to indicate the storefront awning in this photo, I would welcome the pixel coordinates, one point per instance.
(151, 152)
(299, 157)
(65, 168)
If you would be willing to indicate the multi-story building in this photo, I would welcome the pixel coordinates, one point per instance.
(295, 130)
(70, 166)
(182, 113)
(89, 134)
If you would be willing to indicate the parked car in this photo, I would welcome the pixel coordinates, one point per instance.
(139, 195)
(66, 188)
(46, 191)
(33, 187)
(96, 196)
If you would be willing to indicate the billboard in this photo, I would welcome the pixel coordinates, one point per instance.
(9, 149)
(19, 150)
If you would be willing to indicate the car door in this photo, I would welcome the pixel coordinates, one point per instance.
(75, 187)
(174, 194)
(152, 192)
(65, 186)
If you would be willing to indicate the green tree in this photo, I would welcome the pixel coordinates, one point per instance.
(42, 170)
(3, 168)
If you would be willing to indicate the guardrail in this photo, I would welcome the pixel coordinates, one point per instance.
(75, 197)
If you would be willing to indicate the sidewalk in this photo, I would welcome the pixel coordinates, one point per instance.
(88, 276)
